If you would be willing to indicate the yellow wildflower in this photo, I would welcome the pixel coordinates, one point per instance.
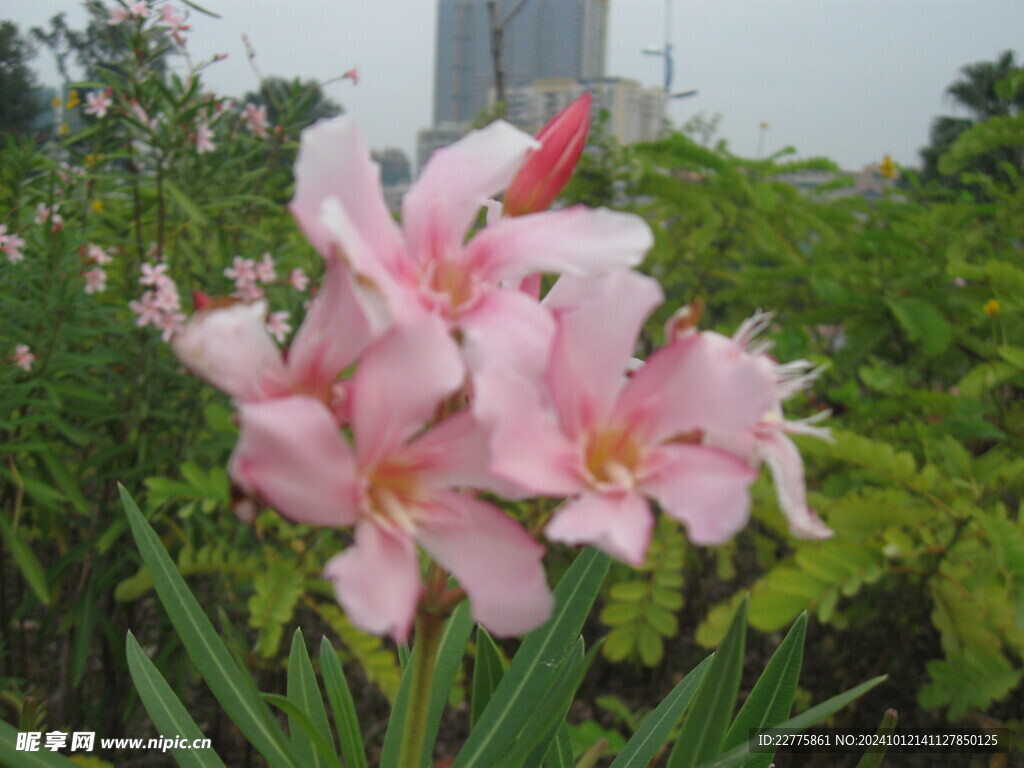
(64, 129)
(73, 100)
(57, 102)
(888, 167)
(991, 307)
(97, 206)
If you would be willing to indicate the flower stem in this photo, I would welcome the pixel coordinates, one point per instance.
(429, 627)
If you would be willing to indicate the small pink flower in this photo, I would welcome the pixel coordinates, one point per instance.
(138, 8)
(298, 280)
(353, 75)
(265, 272)
(140, 114)
(204, 138)
(97, 255)
(23, 357)
(117, 15)
(247, 290)
(170, 16)
(241, 269)
(256, 118)
(152, 274)
(98, 102)
(11, 244)
(95, 280)
(145, 309)
(46, 214)
(278, 325)
(547, 169)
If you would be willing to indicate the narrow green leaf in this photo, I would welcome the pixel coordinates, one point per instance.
(64, 479)
(323, 748)
(645, 743)
(876, 752)
(537, 733)
(236, 691)
(529, 673)
(304, 692)
(771, 699)
(488, 669)
(559, 754)
(346, 721)
(708, 718)
(449, 659)
(185, 203)
(11, 757)
(26, 561)
(165, 709)
(741, 754)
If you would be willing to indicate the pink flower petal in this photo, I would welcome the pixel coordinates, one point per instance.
(787, 468)
(377, 580)
(401, 380)
(455, 183)
(599, 319)
(701, 381)
(333, 161)
(494, 559)
(575, 240)
(291, 452)
(488, 342)
(333, 334)
(527, 445)
(617, 524)
(230, 348)
(704, 488)
(454, 453)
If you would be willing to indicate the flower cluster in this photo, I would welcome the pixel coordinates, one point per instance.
(160, 306)
(423, 376)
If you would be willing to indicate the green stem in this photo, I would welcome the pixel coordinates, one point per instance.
(428, 637)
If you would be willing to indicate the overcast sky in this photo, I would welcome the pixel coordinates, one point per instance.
(849, 79)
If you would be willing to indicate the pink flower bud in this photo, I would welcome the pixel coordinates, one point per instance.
(548, 168)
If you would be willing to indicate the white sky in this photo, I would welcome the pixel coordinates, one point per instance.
(849, 79)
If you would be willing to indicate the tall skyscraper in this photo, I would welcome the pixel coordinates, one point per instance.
(545, 39)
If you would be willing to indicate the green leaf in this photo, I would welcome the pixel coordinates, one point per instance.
(708, 717)
(276, 590)
(488, 669)
(741, 754)
(528, 675)
(559, 754)
(449, 659)
(771, 699)
(876, 752)
(165, 709)
(296, 715)
(26, 561)
(645, 743)
(235, 690)
(64, 479)
(343, 707)
(923, 323)
(14, 758)
(304, 692)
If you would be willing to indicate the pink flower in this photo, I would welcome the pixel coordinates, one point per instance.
(278, 325)
(98, 102)
(23, 357)
(152, 274)
(353, 75)
(117, 15)
(241, 269)
(146, 310)
(138, 8)
(427, 263)
(95, 280)
(170, 16)
(395, 483)
(11, 244)
(46, 214)
(140, 114)
(298, 280)
(265, 272)
(204, 139)
(547, 169)
(97, 255)
(256, 118)
(231, 348)
(609, 442)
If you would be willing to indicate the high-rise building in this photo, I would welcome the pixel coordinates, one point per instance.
(544, 39)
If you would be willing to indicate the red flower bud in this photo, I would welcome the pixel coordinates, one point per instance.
(547, 169)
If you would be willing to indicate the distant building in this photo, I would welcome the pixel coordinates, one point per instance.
(545, 39)
(634, 111)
